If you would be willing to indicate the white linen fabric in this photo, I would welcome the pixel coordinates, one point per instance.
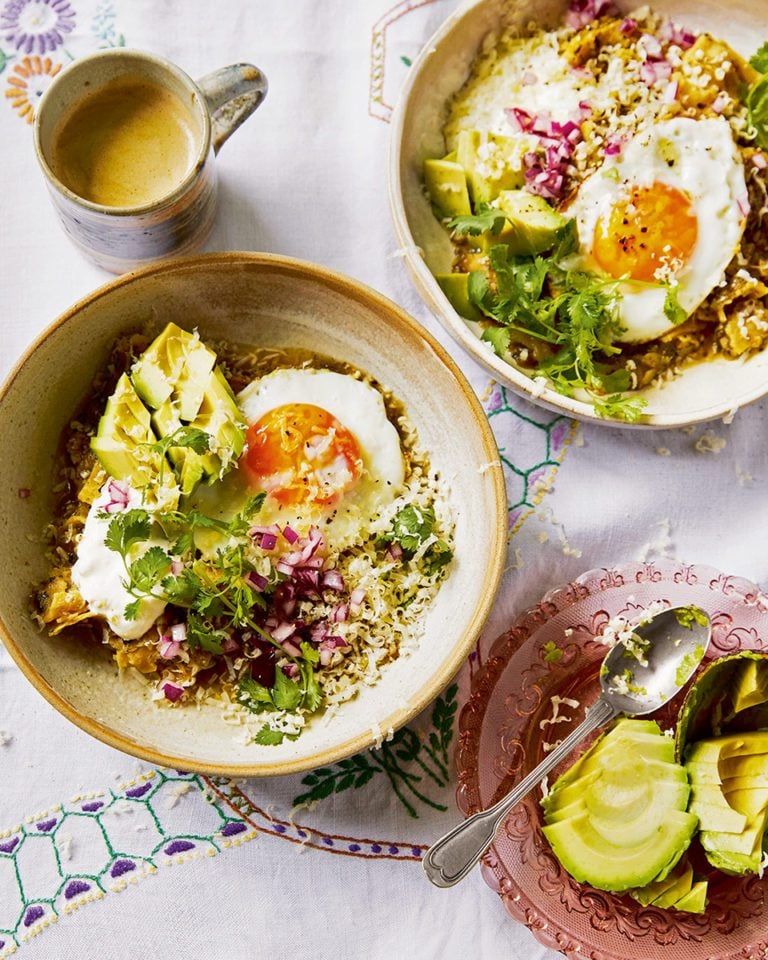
(305, 177)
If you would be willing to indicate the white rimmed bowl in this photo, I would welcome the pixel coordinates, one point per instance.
(263, 300)
(700, 393)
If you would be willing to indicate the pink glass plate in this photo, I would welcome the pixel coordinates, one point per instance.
(500, 741)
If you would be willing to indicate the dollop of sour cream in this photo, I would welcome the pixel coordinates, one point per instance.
(99, 573)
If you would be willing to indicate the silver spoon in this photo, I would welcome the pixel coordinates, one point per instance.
(673, 643)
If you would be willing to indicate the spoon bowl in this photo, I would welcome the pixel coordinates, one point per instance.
(648, 664)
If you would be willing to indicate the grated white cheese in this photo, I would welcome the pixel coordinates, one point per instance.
(708, 442)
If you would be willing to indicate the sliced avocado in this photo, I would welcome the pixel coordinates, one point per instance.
(750, 765)
(492, 163)
(123, 442)
(749, 802)
(589, 858)
(735, 864)
(695, 901)
(657, 888)
(736, 745)
(532, 224)
(456, 287)
(701, 772)
(446, 183)
(750, 687)
(718, 816)
(680, 886)
(176, 364)
(617, 817)
(759, 781)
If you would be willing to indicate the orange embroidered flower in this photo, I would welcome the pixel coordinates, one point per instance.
(28, 81)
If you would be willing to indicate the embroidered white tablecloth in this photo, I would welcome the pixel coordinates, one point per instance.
(103, 856)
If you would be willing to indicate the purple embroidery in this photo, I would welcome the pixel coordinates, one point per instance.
(179, 846)
(36, 26)
(93, 806)
(231, 829)
(416, 851)
(327, 841)
(2, 944)
(354, 847)
(33, 915)
(46, 825)
(302, 833)
(9, 845)
(393, 850)
(122, 866)
(138, 791)
(76, 887)
(279, 828)
(375, 848)
(559, 434)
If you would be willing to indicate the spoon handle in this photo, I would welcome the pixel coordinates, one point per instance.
(452, 857)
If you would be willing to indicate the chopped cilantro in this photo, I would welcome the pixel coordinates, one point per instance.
(268, 737)
(575, 312)
(552, 653)
(149, 569)
(485, 219)
(411, 529)
(687, 616)
(672, 309)
(126, 529)
(757, 110)
(759, 60)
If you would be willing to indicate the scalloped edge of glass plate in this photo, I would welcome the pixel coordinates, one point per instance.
(597, 580)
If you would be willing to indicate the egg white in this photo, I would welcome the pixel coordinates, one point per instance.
(695, 156)
(360, 408)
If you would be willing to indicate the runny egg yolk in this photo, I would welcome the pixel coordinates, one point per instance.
(301, 454)
(651, 228)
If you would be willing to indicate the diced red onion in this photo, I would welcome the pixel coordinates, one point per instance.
(169, 648)
(520, 120)
(291, 670)
(171, 691)
(282, 566)
(318, 631)
(394, 550)
(291, 649)
(176, 567)
(329, 646)
(256, 580)
(720, 102)
(584, 108)
(179, 632)
(541, 124)
(743, 204)
(230, 646)
(651, 71)
(582, 12)
(332, 580)
(290, 534)
(307, 581)
(676, 34)
(268, 541)
(356, 597)
(24, 493)
(340, 613)
(628, 26)
(265, 537)
(651, 47)
(670, 93)
(759, 160)
(612, 145)
(283, 631)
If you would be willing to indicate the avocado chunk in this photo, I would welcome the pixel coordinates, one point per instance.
(124, 440)
(680, 886)
(617, 818)
(653, 891)
(695, 901)
(532, 224)
(446, 183)
(751, 685)
(492, 163)
(177, 376)
(735, 745)
(456, 287)
(175, 365)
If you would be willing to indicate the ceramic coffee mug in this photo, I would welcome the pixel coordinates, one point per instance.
(126, 141)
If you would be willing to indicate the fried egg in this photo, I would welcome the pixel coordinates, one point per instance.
(321, 448)
(668, 211)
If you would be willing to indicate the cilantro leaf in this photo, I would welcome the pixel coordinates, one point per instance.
(131, 611)
(150, 567)
(411, 527)
(126, 529)
(485, 219)
(499, 338)
(254, 696)
(201, 633)
(310, 653)
(757, 110)
(286, 693)
(268, 737)
(672, 309)
(183, 588)
(312, 695)
(759, 60)
(619, 407)
(239, 525)
(437, 556)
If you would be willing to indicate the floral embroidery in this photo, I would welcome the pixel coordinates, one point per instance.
(36, 26)
(28, 81)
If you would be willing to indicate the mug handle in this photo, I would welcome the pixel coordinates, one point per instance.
(232, 94)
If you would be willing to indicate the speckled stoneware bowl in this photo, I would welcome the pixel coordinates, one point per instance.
(702, 392)
(262, 300)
